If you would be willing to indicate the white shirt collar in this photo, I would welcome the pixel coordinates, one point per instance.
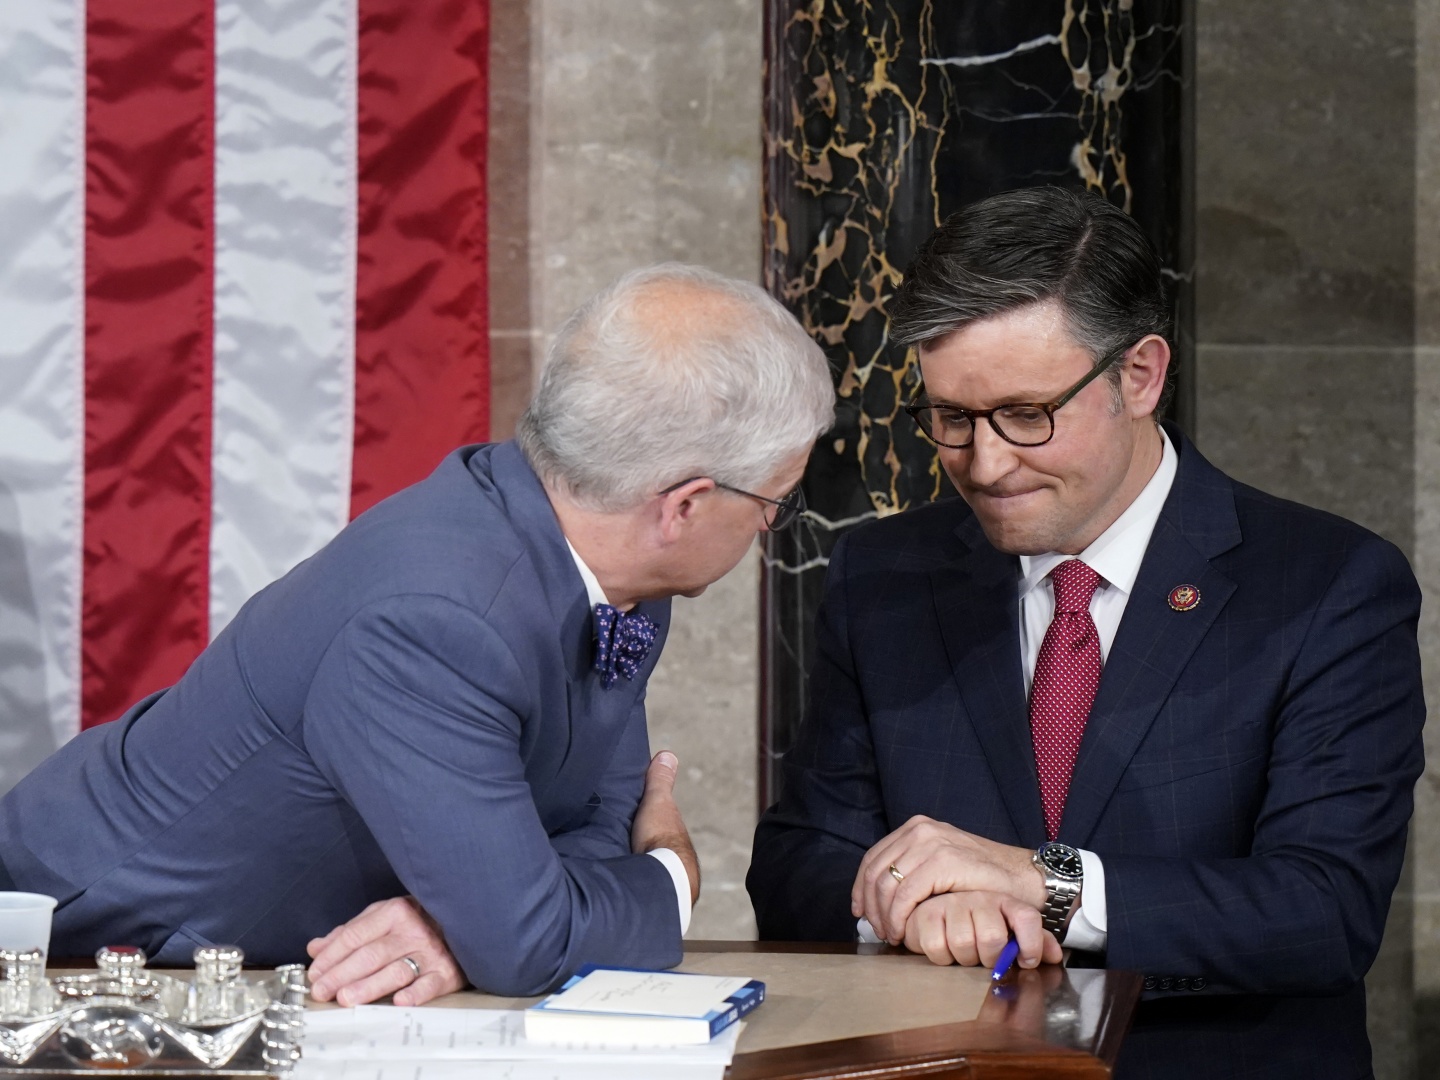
(593, 592)
(1116, 553)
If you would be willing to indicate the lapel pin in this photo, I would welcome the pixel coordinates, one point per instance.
(1184, 598)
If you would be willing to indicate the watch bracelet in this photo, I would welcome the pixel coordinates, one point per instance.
(1060, 903)
(1058, 910)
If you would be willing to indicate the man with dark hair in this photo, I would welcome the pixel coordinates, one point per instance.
(1109, 698)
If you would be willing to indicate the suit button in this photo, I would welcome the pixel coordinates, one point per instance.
(1167, 983)
(1149, 982)
(1182, 983)
(1197, 983)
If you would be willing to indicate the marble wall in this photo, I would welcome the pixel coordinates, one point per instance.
(1306, 368)
(628, 134)
(513, 332)
(1425, 838)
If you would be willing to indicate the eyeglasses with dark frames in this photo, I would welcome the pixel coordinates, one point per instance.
(1020, 423)
(788, 509)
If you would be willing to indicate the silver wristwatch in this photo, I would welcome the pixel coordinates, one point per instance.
(1064, 875)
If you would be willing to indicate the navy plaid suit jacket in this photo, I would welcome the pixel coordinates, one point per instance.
(1246, 773)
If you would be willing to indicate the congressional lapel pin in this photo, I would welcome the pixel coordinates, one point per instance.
(1184, 598)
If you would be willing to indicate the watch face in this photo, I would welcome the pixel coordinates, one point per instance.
(1062, 860)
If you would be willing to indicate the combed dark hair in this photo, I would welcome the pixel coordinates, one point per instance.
(1031, 245)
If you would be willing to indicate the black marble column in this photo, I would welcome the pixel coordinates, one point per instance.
(880, 120)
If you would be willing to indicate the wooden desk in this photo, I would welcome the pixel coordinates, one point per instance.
(836, 1011)
(1033, 1028)
(1046, 1023)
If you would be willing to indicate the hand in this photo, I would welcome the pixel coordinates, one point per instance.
(362, 960)
(937, 858)
(657, 820)
(970, 928)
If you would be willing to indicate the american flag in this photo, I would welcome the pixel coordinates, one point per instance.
(242, 298)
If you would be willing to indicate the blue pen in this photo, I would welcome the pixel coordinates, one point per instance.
(1006, 961)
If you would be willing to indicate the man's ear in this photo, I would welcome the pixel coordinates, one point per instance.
(679, 507)
(1142, 379)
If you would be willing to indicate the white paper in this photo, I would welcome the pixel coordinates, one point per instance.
(647, 993)
(308, 1069)
(385, 1038)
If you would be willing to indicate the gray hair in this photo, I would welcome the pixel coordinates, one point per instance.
(629, 405)
(1028, 246)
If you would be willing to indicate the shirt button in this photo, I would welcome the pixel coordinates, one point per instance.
(1182, 983)
(1197, 983)
(1149, 982)
(1167, 983)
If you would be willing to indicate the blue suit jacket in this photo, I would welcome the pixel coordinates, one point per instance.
(412, 710)
(1246, 773)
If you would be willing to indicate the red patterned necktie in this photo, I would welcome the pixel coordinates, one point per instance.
(1067, 674)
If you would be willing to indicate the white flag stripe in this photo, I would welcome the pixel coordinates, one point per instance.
(285, 139)
(42, 111)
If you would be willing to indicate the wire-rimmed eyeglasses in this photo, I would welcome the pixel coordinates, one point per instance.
(787, 512)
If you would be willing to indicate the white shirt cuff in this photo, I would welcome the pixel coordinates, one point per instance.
(671, 862)
(1088, 930)
(866, 933)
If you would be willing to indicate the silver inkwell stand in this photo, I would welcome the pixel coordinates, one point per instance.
(123, 1018)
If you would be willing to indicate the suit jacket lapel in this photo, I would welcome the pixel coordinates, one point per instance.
(597, 716)
(535, 523)
(1154, 642)
(975, 602)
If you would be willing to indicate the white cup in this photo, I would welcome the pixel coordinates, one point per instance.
(25, 921)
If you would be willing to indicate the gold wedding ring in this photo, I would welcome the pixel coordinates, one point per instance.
(895, 872)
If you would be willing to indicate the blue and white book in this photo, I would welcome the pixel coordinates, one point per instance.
(602, 1006)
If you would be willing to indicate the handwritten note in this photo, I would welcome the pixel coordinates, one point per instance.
(650, 993)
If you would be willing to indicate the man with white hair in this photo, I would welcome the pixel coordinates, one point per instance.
(440, 715)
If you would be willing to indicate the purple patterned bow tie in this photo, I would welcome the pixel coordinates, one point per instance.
(622, 641)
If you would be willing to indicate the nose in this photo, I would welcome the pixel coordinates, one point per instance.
(990, 457)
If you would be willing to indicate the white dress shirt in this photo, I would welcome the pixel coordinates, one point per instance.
(668, 858)
(1115, 555)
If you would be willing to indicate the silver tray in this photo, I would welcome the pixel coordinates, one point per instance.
(123, 1018)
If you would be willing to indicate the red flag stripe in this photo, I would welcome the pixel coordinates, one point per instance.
(148, 346)
(421, 349)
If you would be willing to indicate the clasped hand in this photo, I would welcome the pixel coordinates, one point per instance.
(958, 897)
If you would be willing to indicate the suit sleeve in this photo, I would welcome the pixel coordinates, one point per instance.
(415, 716)
(606, 834)
(1304, 912)
(808, 846)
